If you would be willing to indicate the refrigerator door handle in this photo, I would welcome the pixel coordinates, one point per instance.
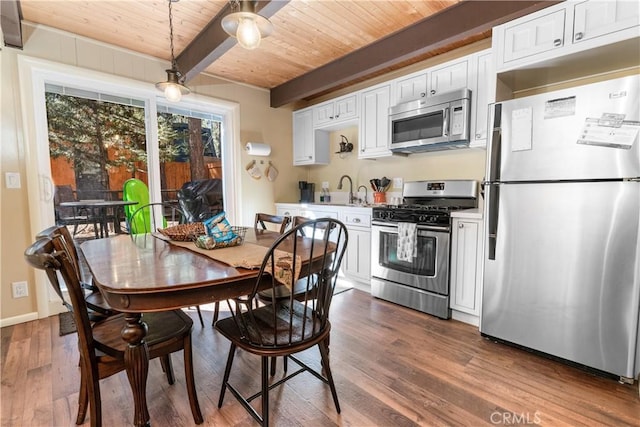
(495, 143)
(493, 199)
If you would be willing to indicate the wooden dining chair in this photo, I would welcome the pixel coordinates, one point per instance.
(287, 326)
(101, 347)
(262, 219)
(299, 289)
(69, 215)
(297, 220)
(98, 307)
(145, 219)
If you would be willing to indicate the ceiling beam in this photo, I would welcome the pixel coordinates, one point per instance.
(10, 18)
(455, 23)
(212, 42)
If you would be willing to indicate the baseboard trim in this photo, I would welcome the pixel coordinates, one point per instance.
(23, 318)
(465, 317)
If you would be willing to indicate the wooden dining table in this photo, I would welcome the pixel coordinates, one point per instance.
(144, 273)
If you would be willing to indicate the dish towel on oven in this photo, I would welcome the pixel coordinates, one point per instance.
(407, 235)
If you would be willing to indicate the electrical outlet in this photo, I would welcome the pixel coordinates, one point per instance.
(20, 289)
(325, 184)
(397, 182)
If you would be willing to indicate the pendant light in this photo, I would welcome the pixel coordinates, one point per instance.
(172, 88)
(246, 25)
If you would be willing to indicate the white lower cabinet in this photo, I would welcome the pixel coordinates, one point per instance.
(356, 264)
(466, 267)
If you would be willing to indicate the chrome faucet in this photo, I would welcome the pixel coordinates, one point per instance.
(365, 192)
(351, 198)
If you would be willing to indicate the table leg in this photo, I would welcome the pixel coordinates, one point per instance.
(104, 227)
(105, 214)
(96, 221)
(136, 360)
(116, 221)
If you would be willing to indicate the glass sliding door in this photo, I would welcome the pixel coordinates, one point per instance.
(191, 160)
(96, 143)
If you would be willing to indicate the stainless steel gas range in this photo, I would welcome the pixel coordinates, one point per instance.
(420, 281)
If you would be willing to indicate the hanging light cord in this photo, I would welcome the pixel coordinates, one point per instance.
(174, 64)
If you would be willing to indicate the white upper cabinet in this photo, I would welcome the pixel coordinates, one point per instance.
(534, 36)
(483, 94)
(335, 111)
(565, 29)
(410, 88)
(598, 18)
(373, 139)
(309, 147)
(448, 78)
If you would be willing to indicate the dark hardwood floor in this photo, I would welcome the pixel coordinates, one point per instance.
(392, 366)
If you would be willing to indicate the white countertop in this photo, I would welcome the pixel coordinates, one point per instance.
(328, 206)
(475, 213)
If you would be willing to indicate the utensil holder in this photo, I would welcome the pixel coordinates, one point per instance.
(379, 197)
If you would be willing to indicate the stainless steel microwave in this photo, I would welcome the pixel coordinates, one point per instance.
(437, 123)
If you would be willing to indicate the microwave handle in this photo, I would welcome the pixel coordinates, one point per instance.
(445, 127)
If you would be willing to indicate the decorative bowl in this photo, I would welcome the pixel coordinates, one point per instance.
(209, 242)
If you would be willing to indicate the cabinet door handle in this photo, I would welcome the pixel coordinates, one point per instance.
(331, 117)
(478, 136)
(578, 36)
(557, 42)
(461, 225)
(422, 94)
(433, 91)
(337, 115)
(356, 220)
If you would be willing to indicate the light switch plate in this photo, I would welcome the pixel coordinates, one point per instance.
(397, 182)
(325, 184)
(12, 179)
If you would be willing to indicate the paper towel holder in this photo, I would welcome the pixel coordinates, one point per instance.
(258, 148)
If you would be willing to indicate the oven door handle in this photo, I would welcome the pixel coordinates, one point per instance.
(420, 227)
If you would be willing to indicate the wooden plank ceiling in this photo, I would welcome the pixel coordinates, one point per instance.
(309, 34)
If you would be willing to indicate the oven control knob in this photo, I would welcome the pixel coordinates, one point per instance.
(422, 218)
(390, 215)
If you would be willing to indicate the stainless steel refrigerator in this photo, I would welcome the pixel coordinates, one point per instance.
(562, 212)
